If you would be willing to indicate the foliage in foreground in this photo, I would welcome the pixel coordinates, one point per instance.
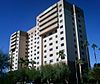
(46, 74)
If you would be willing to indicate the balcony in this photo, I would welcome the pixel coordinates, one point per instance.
(48, 14)
(54, 26)
(13, 37)
(48, 19)
(14, 40)
(14, 43)
(12, 47)
(48, 24)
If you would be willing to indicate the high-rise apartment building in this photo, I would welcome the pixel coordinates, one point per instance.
(60, 27)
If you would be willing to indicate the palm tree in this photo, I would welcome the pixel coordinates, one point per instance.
(61, 54)
(85, 45)
(4, 61)
(78, 62)
(94, 46)
(21, 62)
(33, 62)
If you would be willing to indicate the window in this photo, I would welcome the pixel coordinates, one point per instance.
(57, 59)
(60, 21)
(57, 47)
(81, 47)
(51, 44)
(50, 33)
(75, 46)
(50, 49)
(55, 31)
(74, 40)
(45, 51)
(73, 24)
(80, 36)
(56, 36)
(78, 15)
(38, 47)
(80, 31)
(38, 52)
(31, 40)
(34, 49)
(31, 32)
(34, 53)
(60, 5)
(56, 41)
(81, 42)
(38, 42)
(73, 29)
(51, 61)
(61, 15)
(44, 36)
(37, 57)
(45, 45)
(62, 38)
(44, 40)
(72, 18)
(82, 53)
(45, 62)
(74, 34)
(60, 10)
(75, 52)
(34, 57)
(62, 44)
(79, 25)
(45, 56)
(31, 47)
(78, 20)
(50, 38)
(51, 55)
(37, 62)
(61, 26)
(31, 36)
(37, 37)
(61, 32)
(35, 34)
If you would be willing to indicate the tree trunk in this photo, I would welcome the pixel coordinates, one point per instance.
(97, 82)
(95, 56)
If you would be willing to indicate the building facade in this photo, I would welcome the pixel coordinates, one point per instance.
(60, 27)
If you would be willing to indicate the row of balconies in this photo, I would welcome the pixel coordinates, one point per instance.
(48, 14)
(48, 19)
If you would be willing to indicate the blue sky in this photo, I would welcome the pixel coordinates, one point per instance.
(21, 15)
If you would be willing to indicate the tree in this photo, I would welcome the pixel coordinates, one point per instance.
(61, 54)
(32, 62)
(4, 61)
(61, 73)
(94, 46)
(95, 73)
(85, 45)
(34, 75)
(21, 62)
(78, 63)
(47, 73)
